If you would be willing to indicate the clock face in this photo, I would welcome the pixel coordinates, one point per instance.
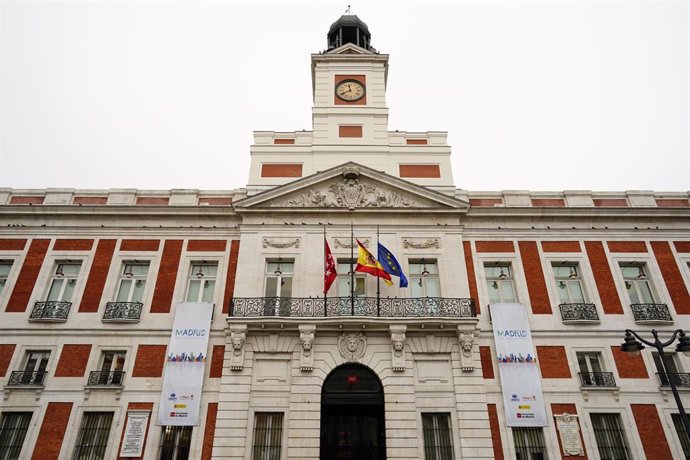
(350, 90)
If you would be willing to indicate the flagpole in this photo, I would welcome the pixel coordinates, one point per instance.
(352, 268)
(325, 267)
(378, 279)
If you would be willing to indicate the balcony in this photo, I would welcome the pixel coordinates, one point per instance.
(334, 307)
(651, 313)
(26, 378)
(578, 312)
(122, 312)
(50, 310)
(597, 379)
(680, 380)
(100, 378)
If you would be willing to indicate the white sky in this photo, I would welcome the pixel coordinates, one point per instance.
(538, 95)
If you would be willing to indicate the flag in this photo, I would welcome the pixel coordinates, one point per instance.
(390, 264)
(329, 273)
(367, 264)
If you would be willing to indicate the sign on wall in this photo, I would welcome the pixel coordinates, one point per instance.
(517, 364)
(184, 366)
(135, 433)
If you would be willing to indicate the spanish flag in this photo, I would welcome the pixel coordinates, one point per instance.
(367, 264)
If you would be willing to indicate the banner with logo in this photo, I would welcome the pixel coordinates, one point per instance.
(517, 365)
(184, 366)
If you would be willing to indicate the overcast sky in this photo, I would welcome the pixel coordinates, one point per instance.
(538, 95)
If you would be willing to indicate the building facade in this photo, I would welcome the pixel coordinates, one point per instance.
(90, 281)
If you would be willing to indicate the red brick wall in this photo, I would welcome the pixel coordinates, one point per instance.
(73, 360)
(12, 245)
(153, 200)
(627, 246)
(471, 277)
(139, 245)
(97, 200)
(6, 352)
(360, 78)
(230, 279)
(73, 245)
(495, 432)
(282, 170)
(682, 246)
(536, 285)
(350, 131)
(610, 202)
(97, 276)
(553, 362)
(27, 200)
(558, 409)
(672, 276)
(651, 432)
(283, 141)
(561, 246)
(27, 276)
(494, 246)
(217, 356)
(149, 361)
(52, 431)
(136, 406)
(485, 201)
(432, 171)
(487, 360)
(602, 275)
(206, 245)
(209, 431)
(548, 202)
(416, 141)
(629, 367)
(167, 275)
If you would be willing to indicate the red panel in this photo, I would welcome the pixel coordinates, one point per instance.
(209, 431)
(283, 141)
(558, 409)
(206, 245)
(12, 245)
(494, 246)
(139, 245)
(548, 202)
(651, 432)
(610, 202)
(490, 202)
(536, 285)
(73, 361)
(673, 203)
(553, 362)
(487, 360)
(682, 246)
(213, 201)
(27, 200)
(629, 367)
(495, 432)
(350, 131)
(90, 200)
(281, 170)
(167, 275)
(422, 171)
(6, 352)
(73, 245)
(561, 246)
(217, 356)
(97, 276)
(672, 276)
(136, 406)
(232, 271)
(471, 277)
(604, 279)
(417, 141)
(149, 361)
(27, 276)
(153, 200)
(52, 431)
(627, 246)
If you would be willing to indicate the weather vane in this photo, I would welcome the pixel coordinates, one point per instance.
(347, 11)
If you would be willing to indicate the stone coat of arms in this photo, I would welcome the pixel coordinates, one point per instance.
(352, 345)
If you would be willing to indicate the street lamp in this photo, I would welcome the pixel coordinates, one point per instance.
(633, 347)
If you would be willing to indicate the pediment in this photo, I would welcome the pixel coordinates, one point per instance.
(351, 186)
(350, 48)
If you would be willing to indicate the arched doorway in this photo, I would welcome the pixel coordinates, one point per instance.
(352, 415)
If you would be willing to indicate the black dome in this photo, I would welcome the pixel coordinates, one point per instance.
(349, 29)
(348, 20)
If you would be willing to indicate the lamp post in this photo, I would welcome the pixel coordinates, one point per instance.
(633, 347)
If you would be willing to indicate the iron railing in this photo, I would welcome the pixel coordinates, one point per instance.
(105, 378)
(122, 311)
(680, 380)
(597, 379)
(578, 312)
(50, 310)
(651, 312)
(27, 378)
(347, 306)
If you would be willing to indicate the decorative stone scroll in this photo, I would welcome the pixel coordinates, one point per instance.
(569, 433)
(352, 345)
(421, 244)
(238, 336)
(341, 243)
(306, 338)
(398, 347)
(467, 339)
(281, 244)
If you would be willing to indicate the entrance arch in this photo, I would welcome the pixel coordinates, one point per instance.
(352, 415)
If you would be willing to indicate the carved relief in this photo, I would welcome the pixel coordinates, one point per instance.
(466, 348)
(338, 243)
(281, 244)
(306, 337)
(425, 244)
(352, 345)
(398, 350)
(238, 336)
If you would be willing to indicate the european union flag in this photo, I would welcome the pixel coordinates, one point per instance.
(390, 264)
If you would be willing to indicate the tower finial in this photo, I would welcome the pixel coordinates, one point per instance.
(347, 11)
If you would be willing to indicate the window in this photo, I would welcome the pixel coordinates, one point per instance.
(344, 279)
(529, 443)
(175, 442)
(437, 437)
(669, 370)
(5, 267)
(424, 278)
(112, 365)
(132, 282)
(93, 435)
(591, 370)
(568, 282)
(636, 283)
(268, 433)
(34, 368)
(202, 282)
(63, 282)
(609, 436)
(279, 278)
(12, 433)
(499, 281)
(682, 435)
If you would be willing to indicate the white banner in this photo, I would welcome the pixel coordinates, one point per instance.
(517, 364)
(184, 365)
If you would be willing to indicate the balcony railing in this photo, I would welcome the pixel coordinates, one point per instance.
(50, 310)
(578, 312)
(437, 307)
(18, 378)
(105, 378)
(643, 312)
(680, 380)
(122, 311)
(597, 379)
